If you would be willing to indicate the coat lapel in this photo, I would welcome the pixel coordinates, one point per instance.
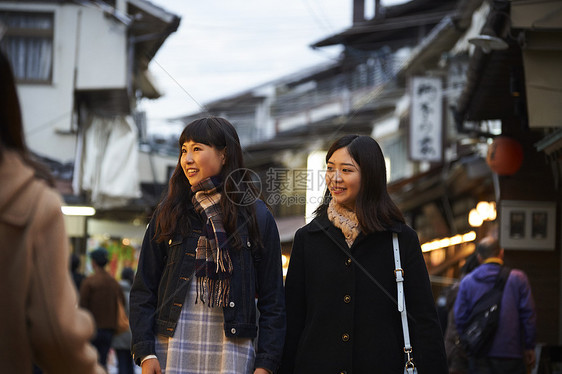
(322, 224)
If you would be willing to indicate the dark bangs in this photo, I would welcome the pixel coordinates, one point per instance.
(206, 131)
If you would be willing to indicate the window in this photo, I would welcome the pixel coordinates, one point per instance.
(28, 43)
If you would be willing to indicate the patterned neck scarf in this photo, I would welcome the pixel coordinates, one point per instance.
(213, 267)
(345, 220)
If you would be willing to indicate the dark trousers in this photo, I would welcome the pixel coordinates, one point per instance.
(102, 342)
(491, 365)
(125, 361)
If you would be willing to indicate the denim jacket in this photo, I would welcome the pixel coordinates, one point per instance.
(164, 273)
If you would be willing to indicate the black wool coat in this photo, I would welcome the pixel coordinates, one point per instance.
(339, 321)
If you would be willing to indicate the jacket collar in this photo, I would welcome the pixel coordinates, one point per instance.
(319, 223)
(493, 260)
(322, 223)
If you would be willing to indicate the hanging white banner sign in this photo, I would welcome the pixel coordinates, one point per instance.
(426, 113)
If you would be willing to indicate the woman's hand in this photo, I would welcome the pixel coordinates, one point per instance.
(151, 366)
(261, 371)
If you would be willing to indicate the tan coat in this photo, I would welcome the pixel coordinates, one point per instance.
(39, 318)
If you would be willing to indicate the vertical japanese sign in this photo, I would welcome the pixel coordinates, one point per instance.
(426, 127)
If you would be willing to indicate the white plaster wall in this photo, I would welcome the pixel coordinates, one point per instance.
(160, 164)
(102, 52)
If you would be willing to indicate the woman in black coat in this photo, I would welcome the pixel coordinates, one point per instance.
(339, 320)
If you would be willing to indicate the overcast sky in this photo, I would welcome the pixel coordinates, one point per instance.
(223, 47)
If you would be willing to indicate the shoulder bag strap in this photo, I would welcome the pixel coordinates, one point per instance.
(399, 274)
(501, 280)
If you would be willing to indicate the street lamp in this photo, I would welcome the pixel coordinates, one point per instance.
(489, 41)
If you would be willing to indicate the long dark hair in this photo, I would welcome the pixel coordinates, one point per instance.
(374, 208)
(176, 209)
(11, 125)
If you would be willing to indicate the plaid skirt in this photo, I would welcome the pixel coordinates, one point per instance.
(199, 345)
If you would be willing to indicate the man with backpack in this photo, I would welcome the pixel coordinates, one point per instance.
(510, 349)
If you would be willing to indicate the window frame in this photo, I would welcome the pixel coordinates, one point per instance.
(27, 32)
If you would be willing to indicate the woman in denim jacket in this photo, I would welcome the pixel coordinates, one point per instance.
(210, 250)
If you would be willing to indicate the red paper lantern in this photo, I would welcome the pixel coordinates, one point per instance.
(505, 155)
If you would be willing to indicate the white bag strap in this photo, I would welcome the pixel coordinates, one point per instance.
(399, 274)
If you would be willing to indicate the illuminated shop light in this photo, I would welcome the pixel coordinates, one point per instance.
(78, 210)
(447, 242)
(484, 211)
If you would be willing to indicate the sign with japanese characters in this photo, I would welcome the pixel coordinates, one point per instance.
(426, 113)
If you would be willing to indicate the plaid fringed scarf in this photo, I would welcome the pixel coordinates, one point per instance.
(213, 267)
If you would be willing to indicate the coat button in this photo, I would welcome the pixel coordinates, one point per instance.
(170, 242)
(231, 304)
(345, 337)
(347, 299)
(343, 372)
(348, 262)
(233, 330)
(248, 244)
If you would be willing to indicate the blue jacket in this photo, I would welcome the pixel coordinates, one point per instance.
(517, 327)
(163, 276)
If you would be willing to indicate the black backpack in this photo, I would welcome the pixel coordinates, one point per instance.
(483, 321)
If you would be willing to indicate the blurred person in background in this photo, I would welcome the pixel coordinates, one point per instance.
(122, 342)
(100, 293)
(40, 321)
(456, 356)
(512, 349)
(77, 276)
